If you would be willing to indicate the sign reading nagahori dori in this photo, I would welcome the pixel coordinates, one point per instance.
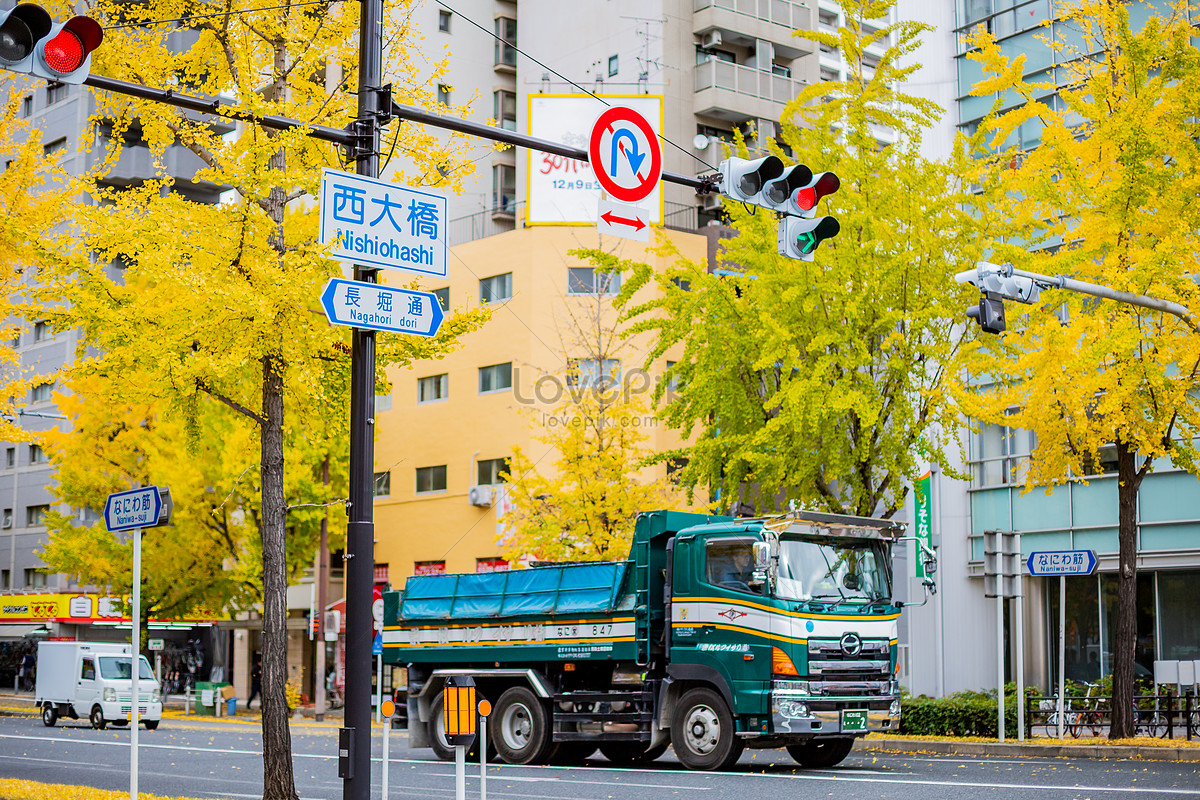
(79, 608)
(561, 190)
(380, 224)
(382, 308)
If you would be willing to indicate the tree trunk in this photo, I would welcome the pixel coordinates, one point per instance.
(1125, 633)
(278, 780)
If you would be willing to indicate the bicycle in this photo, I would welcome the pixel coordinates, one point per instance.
(1089, 718)
(1152, 725)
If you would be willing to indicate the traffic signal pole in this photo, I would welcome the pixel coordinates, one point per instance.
(360, 530)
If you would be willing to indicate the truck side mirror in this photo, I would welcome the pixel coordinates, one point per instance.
(929, 561)
(762, 555)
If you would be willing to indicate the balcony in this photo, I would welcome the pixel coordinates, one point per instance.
(744, 21)
(734, 92)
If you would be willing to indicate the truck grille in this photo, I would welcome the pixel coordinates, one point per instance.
(829, 663)
(125, 709)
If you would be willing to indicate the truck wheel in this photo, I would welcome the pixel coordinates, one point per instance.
(703, 733)
(522, 728)
(437, 734)
(151, 724)
(821, 753)
(97, 718)
(631, 752)
(49, 715)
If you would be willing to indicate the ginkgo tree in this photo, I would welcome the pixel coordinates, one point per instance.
(188, 304)
(576, 495)
(1107, 196)
(824, 383)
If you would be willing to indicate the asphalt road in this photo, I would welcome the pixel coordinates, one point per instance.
(223, 759)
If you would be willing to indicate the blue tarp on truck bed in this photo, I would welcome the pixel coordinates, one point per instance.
(568, 589)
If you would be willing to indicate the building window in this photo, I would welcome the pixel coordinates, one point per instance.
(495, 378)
(41, 392)
(489, 471)
(506, 42)
(429, 568)
(37, 455)
(491, 565)
(41, 331)
(444, 21)
(781, 70)
(675, 468)
(5, 579)
(431, 479)
(435, 387)
(382, 573)
(55, 92)
(1000, 454)
(53, 147)
(10, 457)
(383, 484)
(672, 380)
(495, 288)
(682, 283)
(591, 373)
(35, 515)
(34, 579)
(27, 108)
(587, 280)
(504, 188)
(443, 296)
(612, 66)
(8, 518)
(504, 105)
(443, 94)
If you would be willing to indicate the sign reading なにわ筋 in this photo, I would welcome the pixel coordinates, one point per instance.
(379, 224)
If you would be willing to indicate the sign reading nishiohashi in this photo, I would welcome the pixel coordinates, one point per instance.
(380, 224)
(565, 190)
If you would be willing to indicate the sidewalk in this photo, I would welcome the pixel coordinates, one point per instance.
(1098, 748)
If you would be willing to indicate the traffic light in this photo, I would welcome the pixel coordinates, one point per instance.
(742, 179)
(799, 237)
(30, 41)
(314, 625)
(793, 192)
(989, 314)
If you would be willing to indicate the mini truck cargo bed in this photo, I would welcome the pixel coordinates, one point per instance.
(562, 612)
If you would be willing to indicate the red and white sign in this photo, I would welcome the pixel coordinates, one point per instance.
(625, 154)
(628, 222)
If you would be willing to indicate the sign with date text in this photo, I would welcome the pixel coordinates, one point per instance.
(562, 190)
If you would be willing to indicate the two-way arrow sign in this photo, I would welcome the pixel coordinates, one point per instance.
(628, 222)
(381, 308)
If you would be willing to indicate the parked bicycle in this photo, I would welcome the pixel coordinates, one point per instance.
(1088, 718)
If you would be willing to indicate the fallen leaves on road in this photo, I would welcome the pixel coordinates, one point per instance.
(11, 789)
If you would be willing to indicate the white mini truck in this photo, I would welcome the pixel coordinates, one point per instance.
(94, 681)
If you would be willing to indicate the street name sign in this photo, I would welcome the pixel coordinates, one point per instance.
(625, 155)
(380, 224)
(382, 308)
(135, 508)
(628, 222)
(1061, 562)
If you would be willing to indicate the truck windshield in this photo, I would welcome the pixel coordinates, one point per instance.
(116, 667)
(853, 570)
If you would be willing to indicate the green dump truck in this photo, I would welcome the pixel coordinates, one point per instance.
(715, 635)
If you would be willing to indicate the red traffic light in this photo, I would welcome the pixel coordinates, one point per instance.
(806, 197)
(31, 42)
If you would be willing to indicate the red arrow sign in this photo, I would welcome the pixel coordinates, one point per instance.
(613, 219)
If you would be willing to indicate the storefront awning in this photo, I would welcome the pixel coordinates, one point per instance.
(21, 631)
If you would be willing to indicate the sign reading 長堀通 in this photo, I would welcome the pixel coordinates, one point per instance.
(381, 308)
(379, 224)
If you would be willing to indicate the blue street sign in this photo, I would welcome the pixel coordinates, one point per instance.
(380, 224)
(381, 308)
(136, 508)
(1061, 562)
(377, 646)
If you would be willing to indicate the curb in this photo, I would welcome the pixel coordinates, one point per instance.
(1006, 749)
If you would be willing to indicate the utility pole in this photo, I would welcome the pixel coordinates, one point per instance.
(360, 530)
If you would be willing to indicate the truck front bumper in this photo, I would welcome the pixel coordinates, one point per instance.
(121, 710)
(794, 711)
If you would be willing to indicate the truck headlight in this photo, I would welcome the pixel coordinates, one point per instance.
(110, 695)
(155, 694)
(894, 709)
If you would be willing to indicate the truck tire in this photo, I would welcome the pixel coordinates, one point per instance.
(97, 718)
(821, 753)
(151, 724)
(437, 734)
(703, 731)
(521, 731)
(631, 752)
(49, 715)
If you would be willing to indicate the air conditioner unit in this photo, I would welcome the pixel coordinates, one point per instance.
(480, 495)
(710, 39)
(711, 202)
(7, 523)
